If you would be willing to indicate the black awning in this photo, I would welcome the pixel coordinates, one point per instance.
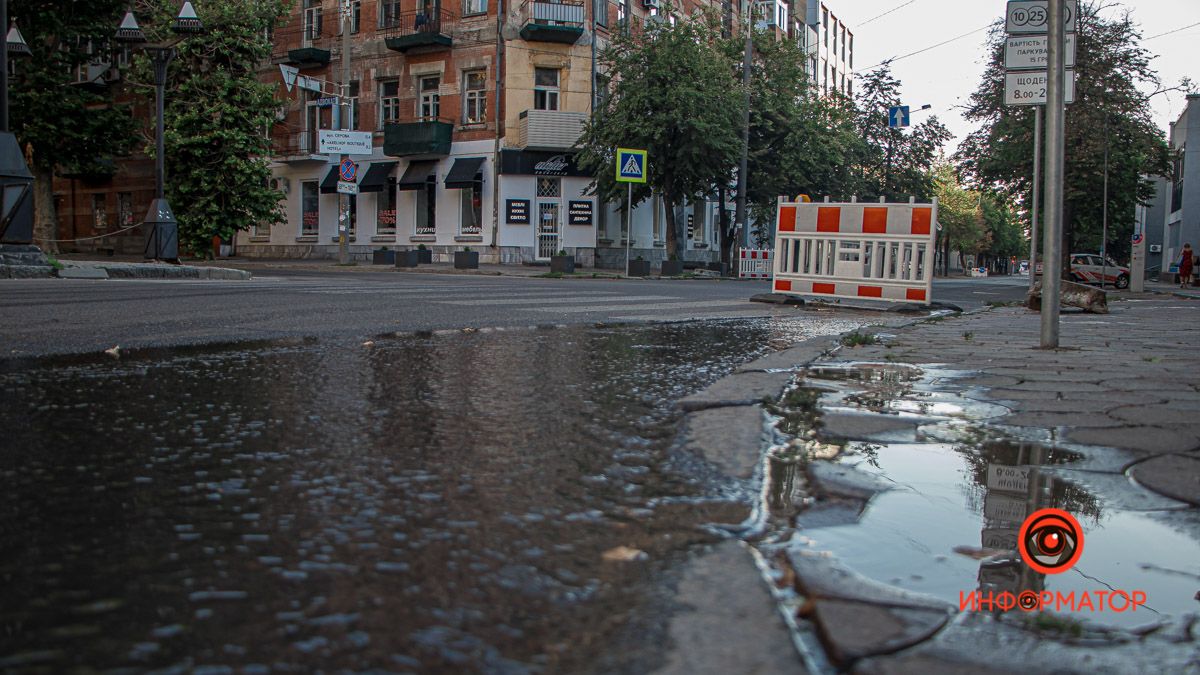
(465, 173)
(330, 181)
(376, 177)
(415, 175)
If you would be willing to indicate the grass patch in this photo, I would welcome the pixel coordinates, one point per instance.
(54, 262)
(968, 336)
(856, 338)
(550, 275)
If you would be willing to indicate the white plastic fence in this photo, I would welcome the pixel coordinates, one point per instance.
(856, 250)
(754, 263)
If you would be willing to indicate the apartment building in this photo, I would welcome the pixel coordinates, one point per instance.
(472, 134)
(1182, 201)
(830, 46)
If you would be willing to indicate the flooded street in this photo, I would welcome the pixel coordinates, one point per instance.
(497, 501)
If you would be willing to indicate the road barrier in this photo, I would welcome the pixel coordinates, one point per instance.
(754, 263)
(856, 250)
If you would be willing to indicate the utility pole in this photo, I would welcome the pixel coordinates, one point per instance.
(1104, 218)
(347, 124)
(747, 64)
(1037, 193)
(1055, 151)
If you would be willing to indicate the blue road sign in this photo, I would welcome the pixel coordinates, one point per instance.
(631, 166)
(898, 116)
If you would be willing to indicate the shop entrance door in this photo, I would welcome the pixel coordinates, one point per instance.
(549, 216)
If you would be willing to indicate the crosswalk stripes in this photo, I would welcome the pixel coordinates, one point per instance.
(542, 302)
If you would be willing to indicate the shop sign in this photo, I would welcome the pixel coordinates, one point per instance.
(533, 163)
(579, 213)
(518, 211)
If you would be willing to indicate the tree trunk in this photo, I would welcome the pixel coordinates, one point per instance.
(45, 220)
(672, 238)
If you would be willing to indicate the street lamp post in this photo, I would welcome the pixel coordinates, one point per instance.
(162, 230)
(16, 200)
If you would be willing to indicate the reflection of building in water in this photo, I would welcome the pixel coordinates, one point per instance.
(1013, 491)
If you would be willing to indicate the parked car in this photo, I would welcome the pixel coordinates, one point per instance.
(1087, 268)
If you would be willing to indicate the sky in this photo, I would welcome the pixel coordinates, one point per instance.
(945, 76)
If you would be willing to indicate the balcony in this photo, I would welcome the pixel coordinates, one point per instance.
(549, 129)
(550, 21)
(296, 146)
(428, 138)
(308, 57)
(419, 30)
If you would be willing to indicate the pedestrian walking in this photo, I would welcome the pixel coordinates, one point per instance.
(1186, 263)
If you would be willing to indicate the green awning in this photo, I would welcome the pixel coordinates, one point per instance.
(415, 175)
(465, 173)
(376, 177)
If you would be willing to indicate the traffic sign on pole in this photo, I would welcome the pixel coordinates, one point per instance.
(1032, 52)
(1029, 87)
(898, 116)
(348, 170)
(1032, 17)
(631, 166)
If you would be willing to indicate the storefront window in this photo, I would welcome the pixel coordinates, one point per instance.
(472, 209)
(385, 215)
(124, 209)
(425, 213)
(310, 208)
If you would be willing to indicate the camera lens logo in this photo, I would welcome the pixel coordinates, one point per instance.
(1050, 541)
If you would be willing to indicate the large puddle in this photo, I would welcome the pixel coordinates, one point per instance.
(435, 503)
(949, 523)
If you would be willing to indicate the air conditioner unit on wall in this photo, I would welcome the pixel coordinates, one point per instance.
(281, 184)
(650, 4)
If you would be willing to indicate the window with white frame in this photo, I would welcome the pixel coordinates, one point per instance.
(430, 101)
(474, 7)
(310, 208)
(389, 102)
(545, 89)
(312, 20)
(474, 97)
(471, 204)
(600, 10)
(355, 16)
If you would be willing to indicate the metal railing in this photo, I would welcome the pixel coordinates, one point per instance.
(550, 13)
(435, 20)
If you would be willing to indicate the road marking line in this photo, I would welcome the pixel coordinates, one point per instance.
(555, 299)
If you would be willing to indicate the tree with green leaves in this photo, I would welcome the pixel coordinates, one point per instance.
(962, 228)
(799, 141)
(1110, 114)
(891, 162)
(216, 114)
(66, 121)
(673, 94)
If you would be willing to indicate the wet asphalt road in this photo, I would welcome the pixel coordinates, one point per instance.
(42, 317)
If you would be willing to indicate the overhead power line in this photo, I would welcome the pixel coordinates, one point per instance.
(922, 51)
(1172, 31)
(897, 7)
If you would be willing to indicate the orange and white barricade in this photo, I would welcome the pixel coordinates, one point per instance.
(856, 250)
(754, 263)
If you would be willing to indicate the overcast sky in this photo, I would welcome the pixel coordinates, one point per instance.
(945, 76)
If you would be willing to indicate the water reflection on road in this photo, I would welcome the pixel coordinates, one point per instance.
(426, 503)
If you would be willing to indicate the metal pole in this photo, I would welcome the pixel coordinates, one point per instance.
(4, 67)
(747, 64)
(1055, 128)
(347, 124)
(160, 91)
(1104, 219)
(628, 224)
(499, 130)
(1037, 193)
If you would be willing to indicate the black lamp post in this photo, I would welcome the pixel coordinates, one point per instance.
(16, 183)
(162, 231)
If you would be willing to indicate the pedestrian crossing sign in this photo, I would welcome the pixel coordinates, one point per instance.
(631, 166)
